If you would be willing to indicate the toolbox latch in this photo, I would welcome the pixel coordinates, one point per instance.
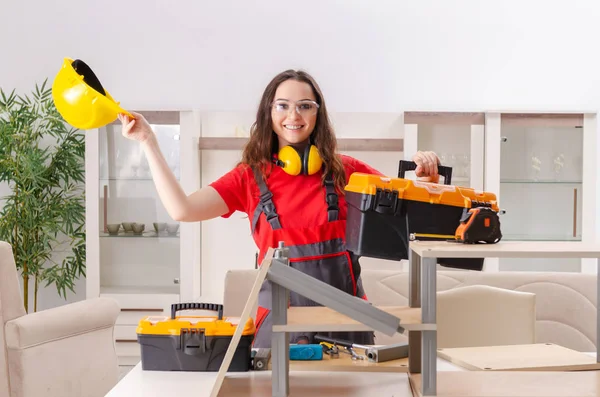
(386, 201)
(193, 341)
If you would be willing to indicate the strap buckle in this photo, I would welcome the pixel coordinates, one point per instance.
(266, 196)
(269, 210)
(332, 201)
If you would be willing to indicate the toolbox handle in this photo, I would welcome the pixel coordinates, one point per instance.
(175, 307)
(443, 170)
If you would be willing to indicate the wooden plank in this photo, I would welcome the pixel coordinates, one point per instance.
(344, 363)
(319, 383)
(324, 319)
(506, 249)
(235, 340)
(512, 384)
(370, 145)
(161, 117)
(221, 143)
(543, 119)
(533, 357)
(447, 118)
(344, 144)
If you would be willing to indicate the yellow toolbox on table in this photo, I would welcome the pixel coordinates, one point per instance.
(193, 343)
(385, 213)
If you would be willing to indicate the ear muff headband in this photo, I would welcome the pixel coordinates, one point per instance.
(295, 163)
(306, 159)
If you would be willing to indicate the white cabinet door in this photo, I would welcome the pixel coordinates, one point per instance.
(457, 138)
(139, 242)
(541, 184)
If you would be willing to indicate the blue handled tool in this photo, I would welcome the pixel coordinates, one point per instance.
(306, 352)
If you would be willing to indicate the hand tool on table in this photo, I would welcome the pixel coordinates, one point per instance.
(378, 354)
(330, 349)
(260, 359)
(306, 352)
(347, 345)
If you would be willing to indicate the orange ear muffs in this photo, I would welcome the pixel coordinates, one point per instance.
(295, 163)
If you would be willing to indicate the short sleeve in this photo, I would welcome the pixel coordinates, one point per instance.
(353, 165)
(233, 189)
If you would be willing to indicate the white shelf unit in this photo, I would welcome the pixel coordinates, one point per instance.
(542, 166)
(146, 272)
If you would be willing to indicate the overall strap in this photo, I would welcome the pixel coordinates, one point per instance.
(266, 204)
(331, 197)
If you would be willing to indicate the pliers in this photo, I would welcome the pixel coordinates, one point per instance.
(330, 349)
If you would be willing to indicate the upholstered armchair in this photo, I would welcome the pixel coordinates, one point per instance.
(67, 351)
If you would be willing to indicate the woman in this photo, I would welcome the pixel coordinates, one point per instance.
(290, 182)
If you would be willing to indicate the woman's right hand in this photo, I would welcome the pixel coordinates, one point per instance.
(136, 129)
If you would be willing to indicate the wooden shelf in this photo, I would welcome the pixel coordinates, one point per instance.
(324, 319)
(573, 120)
(344, 144)
(506, 249)
(159, 117)
(344, 363)
(446, 118)
(513, 384)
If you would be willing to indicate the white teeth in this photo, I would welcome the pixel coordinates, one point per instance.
(293, 127)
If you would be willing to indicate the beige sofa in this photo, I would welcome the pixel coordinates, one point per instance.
(565, 302)
(67, 351)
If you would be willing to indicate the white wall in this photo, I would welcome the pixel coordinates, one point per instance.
(368, 56)
(384, 56)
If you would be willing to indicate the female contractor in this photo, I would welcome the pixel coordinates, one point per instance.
(290, 182)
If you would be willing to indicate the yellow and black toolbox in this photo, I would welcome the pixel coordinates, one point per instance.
(385, 213)
(193, 343)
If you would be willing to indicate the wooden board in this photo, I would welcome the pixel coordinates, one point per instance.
(322, 319)
(344, 144)
(237, 335)
(506, 249)
(534, 357)
(513, 384)
(321, 384)
(345, 363)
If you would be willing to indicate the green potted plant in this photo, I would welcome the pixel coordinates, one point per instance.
(42, 163)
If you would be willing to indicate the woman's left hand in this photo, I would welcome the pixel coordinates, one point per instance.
(427, 166)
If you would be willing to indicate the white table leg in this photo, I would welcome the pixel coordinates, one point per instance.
(280, 342)
(428, 316)
(414, 300)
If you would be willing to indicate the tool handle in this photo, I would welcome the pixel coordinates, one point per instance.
(443, 170)
(175, 307)
(339, 342)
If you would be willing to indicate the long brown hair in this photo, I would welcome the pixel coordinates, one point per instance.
(263, 140)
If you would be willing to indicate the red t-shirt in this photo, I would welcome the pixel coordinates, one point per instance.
(299, 200)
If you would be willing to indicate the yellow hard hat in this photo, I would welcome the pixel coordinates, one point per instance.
(80, 98)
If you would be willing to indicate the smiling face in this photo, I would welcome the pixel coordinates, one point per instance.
(291, 127)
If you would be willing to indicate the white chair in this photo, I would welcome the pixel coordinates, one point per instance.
(481, 315)
(67, 351)
(238, 285)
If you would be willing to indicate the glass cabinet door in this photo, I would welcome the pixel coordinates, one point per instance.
(457, 138)
(541, 163)
(139, 242)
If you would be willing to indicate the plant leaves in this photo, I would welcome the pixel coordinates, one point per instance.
(42, 161)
